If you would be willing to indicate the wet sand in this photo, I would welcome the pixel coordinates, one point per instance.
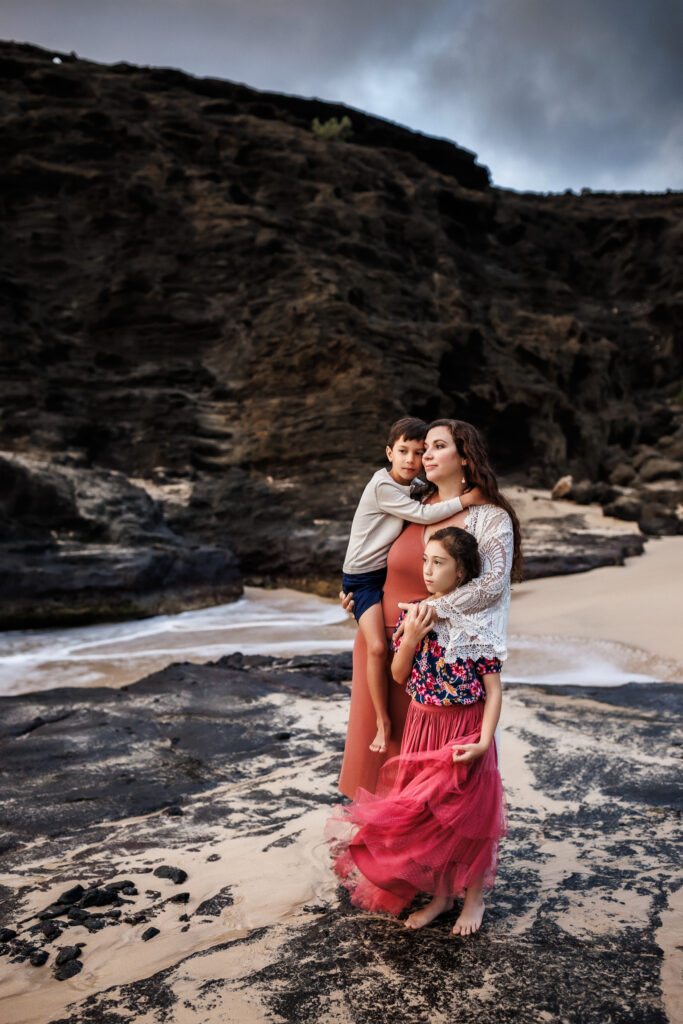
(638, 605)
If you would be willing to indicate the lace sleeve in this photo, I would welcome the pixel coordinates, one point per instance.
(495, 550)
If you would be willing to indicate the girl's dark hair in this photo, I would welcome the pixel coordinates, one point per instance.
(463, 547)
(479, 473)
(408, 428)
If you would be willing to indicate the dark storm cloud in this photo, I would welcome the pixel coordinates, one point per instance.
(550, 95)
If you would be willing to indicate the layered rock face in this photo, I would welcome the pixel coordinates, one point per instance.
(201, 293)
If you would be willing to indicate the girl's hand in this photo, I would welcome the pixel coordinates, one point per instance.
(422, 604)
(346, 602)
(466, 753)
(417, 623)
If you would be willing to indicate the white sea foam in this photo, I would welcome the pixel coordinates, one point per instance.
(276, 622)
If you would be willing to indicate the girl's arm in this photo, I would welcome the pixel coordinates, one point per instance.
(410, 631)
(465, 753)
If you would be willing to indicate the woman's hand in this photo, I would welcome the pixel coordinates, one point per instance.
(346, 602)
(417, 623)
(466, 753)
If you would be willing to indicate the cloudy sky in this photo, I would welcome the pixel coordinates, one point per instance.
(550, 94)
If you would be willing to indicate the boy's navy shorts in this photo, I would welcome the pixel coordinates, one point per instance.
(366, 588)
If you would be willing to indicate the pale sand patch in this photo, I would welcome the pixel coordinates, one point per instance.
(638, 604)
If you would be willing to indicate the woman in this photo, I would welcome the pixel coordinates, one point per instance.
(455, 459)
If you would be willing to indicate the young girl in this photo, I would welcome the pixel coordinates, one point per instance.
(437, 816)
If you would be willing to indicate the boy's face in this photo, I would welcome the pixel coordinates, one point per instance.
(406, 459)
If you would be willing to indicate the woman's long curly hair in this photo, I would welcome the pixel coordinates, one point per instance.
(478, 473)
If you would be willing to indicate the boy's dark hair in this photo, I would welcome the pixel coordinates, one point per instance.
(463, 547)
(408, 428)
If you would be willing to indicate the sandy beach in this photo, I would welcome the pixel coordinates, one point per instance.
(637, 604)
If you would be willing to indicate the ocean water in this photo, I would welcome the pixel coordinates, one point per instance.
(278, 622)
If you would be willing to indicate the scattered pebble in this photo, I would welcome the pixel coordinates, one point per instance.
(39, 958)
(180, 897)
(149, 933)
(67, 953)
(176, 875)
(50, 930)
(68, 970)
(214, 856)
(6, 934)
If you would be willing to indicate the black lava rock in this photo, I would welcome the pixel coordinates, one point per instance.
(174, 811)
(68, 970)
(4, 948)
(176, 875)
(149, 934)
(77, 914)
(72, 895)
(98, 897)
(50, 930)
(181, 897)
(6, 934)
(95, 924)
(67, 953)
(54, 910)
(130, 890)
(39, 958)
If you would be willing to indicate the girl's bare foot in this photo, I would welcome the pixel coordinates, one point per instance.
(379, 744)
(471, 914)
(438, 905)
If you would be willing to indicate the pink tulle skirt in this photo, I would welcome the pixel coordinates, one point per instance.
(432, 826)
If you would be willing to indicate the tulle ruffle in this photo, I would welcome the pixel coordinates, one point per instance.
(432, 826)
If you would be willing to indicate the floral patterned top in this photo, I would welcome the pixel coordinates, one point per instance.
(434, 680)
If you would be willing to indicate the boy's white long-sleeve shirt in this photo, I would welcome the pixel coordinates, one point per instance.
(383, 508)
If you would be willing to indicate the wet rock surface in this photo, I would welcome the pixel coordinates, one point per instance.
(580, 928)
(201, 293)
(79, 544)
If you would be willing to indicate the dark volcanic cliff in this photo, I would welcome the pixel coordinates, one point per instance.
(199, 294)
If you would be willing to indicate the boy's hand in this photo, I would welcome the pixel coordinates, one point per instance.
(466, 753)
(417, 623)
(473, 497)
(346, 602)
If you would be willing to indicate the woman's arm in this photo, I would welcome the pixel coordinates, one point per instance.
(465, 753)
(495, 549)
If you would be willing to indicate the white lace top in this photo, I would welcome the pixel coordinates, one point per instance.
(473, 619)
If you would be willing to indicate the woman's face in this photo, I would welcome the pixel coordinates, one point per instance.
(441, 461)
(439, 569)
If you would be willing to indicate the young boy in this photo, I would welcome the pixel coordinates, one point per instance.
(378, 521)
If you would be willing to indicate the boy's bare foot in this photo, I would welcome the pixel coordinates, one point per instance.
(471, 914)
(438, 905)
(379, 744)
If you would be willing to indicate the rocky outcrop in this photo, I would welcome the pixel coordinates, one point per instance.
(79, 544)
(200, 291)
(165, 841)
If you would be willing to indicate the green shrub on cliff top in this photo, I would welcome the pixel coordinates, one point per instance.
(332, 130)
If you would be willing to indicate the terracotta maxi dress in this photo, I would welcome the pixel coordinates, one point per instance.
(361, 767)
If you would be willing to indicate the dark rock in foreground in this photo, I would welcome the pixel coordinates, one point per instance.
(580, 929)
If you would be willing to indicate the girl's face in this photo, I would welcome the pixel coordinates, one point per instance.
(441, 460)
(440, 570)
